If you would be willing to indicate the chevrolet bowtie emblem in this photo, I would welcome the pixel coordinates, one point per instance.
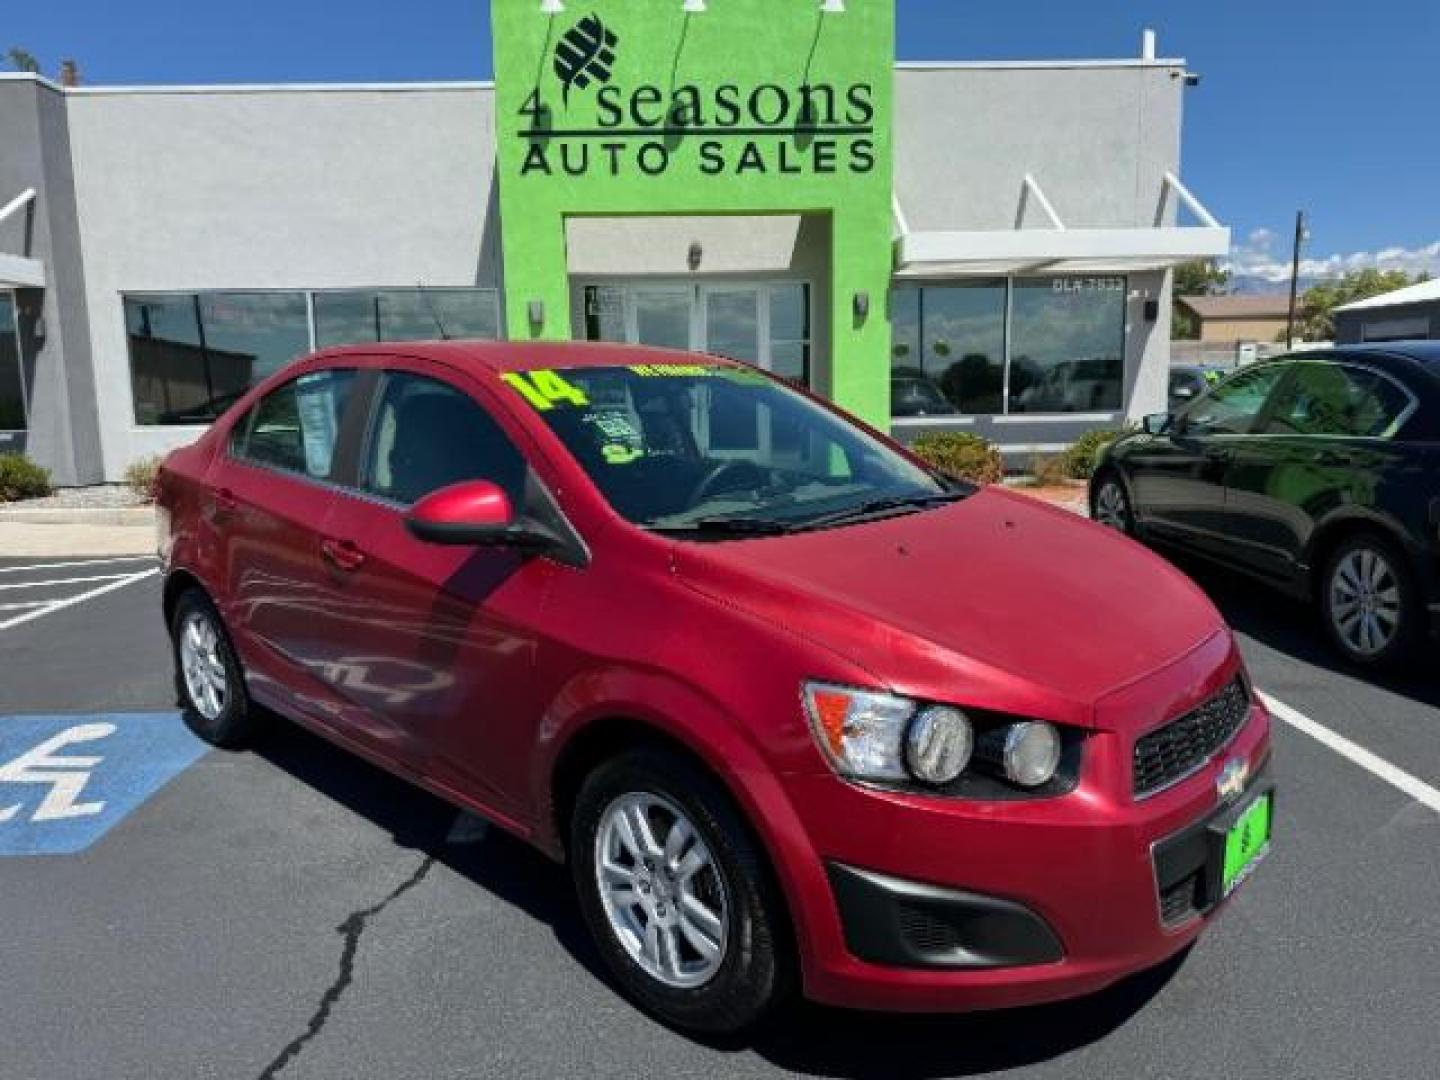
(1231, 781)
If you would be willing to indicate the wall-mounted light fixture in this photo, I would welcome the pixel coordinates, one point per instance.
(694, 7)
(861, 305)
(552, 7)
(833, 7)
(536, 311)
(694, 255)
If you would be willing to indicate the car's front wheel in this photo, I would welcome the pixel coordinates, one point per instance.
(1110, 504)
(678, 895)
(1370, 603)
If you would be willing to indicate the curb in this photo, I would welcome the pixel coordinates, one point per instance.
(139, 516)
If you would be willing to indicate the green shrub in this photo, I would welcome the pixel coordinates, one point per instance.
(140, 476)
(1079, 457)
(961, 455)
(21, 478)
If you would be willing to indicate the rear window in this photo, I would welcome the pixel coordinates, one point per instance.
(296, 426)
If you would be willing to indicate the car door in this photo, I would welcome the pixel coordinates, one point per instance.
(1178, 478)
(269, 492)
(1323, 442)
(438, 644)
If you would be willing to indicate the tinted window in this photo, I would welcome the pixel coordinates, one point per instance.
(192, 355)
(953, 337)
(1067, 348)
(1333, 399)
(428, 435)
(360, 315)
(295, 426)
(12, 387)
(1232, 407)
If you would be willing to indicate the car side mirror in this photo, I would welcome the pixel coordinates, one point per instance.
(1156, 423)
(473, 513)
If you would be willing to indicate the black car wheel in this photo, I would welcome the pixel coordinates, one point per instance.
(677, 894)
(1110, 503)
(207, 674)
(1371, 606)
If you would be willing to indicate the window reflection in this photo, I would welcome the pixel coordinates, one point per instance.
(1064, 347)
(1068, 344)
(353, 316)
(12, 385)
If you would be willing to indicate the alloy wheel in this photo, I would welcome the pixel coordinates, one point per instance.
(1110, 506)
(206, 680)
(1365, 605)
(661, 890)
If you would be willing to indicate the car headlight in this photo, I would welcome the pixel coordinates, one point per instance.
(1026, 752)
(862, 732)
(938, 744)
(884, 738)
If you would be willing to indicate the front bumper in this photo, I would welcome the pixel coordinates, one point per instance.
(1071, 884)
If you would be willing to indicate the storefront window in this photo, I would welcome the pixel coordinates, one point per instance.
(192, 355)
(12, 384)
(359, 315)
(1067, 344)
(1062, 339)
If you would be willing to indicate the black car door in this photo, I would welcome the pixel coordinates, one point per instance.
(1324, 441)
(1177, 478)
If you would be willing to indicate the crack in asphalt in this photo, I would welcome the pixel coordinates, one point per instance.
(350, 930)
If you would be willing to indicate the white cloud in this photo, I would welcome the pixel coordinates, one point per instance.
(1257, 256)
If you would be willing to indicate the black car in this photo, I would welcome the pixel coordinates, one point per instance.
(1317, 472)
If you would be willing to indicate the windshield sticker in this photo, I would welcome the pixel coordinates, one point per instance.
(622, 440)
(546, 389)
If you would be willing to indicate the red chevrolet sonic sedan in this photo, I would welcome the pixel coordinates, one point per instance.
(799, 712)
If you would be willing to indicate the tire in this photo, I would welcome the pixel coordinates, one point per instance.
(1369, 602)
(752, 971)
(208, 674)
(1110, 503)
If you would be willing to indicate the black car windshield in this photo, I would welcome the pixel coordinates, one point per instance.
(721, 450)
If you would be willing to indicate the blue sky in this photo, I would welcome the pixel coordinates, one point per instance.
(1314, 103)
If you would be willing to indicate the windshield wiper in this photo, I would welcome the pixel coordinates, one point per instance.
(875, 507)
(718, 526)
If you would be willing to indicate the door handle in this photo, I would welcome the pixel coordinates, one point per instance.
(343, 554)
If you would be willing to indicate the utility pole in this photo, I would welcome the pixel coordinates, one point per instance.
(1294, 277)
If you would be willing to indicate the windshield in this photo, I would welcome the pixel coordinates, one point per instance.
(693, 448)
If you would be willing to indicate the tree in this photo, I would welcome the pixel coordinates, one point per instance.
(1203, 277)
(1315, 317)
(21, 60)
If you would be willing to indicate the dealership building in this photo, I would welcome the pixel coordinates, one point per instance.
(978, 246)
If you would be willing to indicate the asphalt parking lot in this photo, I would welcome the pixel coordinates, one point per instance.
(294, 912)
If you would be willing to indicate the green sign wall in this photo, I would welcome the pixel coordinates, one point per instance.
(635, 107)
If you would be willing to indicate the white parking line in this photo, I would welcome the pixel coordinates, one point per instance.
(73, 563)
(71, 601)
(63, 581)
(1416, 788)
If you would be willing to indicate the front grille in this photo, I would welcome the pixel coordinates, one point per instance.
(1182, 746)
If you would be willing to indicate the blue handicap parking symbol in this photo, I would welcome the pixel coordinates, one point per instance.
(65, 781)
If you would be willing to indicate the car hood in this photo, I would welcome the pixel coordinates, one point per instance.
(1027, 604)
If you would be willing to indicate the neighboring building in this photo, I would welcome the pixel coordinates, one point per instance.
(991, 242)
(1229, 320)
(1411, 312)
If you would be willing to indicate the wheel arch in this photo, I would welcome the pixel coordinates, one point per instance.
(1337, 528)
(177, 583)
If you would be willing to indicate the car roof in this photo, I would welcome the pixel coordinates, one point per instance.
(1423, 352)
(500, 357)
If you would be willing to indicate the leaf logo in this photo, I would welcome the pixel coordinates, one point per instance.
(585, 54)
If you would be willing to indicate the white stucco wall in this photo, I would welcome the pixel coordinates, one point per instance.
(270, 189)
